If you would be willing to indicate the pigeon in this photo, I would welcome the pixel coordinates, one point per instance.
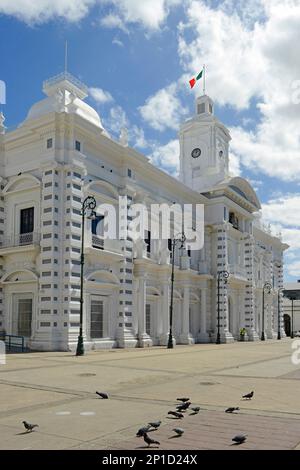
(240, 438)
(29, 427)
(248, 396)
(142, 431)
(102, 395)
(196, 410)
(176, 414)
(155, 425)
(179, 431)
(232, 409)
(150, 441)
(183, 399)
(184, 406)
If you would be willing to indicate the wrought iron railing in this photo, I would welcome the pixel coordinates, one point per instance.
(97, 242)
(13, 342)
(22, 239)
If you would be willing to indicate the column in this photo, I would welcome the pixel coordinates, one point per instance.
(165, 312)
(185, 337)
(144, 338)
(203, 336)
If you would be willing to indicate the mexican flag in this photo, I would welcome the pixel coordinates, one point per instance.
(194, 80)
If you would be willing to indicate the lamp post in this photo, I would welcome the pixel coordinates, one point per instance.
(180, 238)
(89, 204)
(267, 287)
(280, 290)
(221, 275)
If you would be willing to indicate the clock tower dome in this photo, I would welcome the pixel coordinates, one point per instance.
(204, 145)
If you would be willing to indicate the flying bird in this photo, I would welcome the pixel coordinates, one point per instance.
(183, 399)
(183, 406)
(102, 395)
(232, 409)
(155, 424)
(29, 427)
(176, 414)
(150, 441)
(240, 438)
(248, 396)
(178, 431)
(142, 431)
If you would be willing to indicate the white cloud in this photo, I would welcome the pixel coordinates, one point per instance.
(282, 213)
(118, 42)
(166, 157)
(32, 11)
(251, 54)
(150, 14)
(164, 110)
(100, 96)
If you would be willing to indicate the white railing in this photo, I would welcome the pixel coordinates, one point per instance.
(22, 239)
(65, 76)
(238, 271)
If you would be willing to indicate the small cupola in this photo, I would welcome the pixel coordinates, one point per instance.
(204, 105)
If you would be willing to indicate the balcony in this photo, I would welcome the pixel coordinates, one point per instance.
(19, 243)
(239, 273)
(103, 250)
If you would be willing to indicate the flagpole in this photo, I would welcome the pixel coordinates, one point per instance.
(66, 56)
(204, 79)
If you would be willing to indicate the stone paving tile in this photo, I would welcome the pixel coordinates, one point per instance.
(214, 430)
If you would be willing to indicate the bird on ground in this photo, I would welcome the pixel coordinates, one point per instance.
(183, 399)
(29, 427)
(176, 414)
(195, 410)
(248, 396)
(232, 409)
(142, 431)
(184, 406)
(179, 431)
(240, 438)
(150, 441)
(155, 424)
(102, 395)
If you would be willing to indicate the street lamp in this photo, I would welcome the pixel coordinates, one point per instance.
(280, 290)
(180, 238)
(267, 287)
(221, 275)
(89, 204)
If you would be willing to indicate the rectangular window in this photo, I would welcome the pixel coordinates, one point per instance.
(24, 317)
(148, 241)
(77, 145)
(97, 327)
(49, 143)
(27, 220)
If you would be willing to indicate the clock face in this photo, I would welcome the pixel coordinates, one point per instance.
(196, 153)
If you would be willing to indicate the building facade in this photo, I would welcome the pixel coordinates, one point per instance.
(291, 308)
(60, 155)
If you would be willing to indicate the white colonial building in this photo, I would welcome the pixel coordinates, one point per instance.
(61, 154)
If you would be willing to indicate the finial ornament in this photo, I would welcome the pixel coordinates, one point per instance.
(2, 126)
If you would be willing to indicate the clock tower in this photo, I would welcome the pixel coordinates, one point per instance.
(204, 145)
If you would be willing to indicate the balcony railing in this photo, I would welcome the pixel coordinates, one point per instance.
(97, 242)
(22, 239)
(238, 271)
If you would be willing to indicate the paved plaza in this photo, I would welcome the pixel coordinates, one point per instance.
(57, 391)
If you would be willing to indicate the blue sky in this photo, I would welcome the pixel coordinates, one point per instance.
(137, 58)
